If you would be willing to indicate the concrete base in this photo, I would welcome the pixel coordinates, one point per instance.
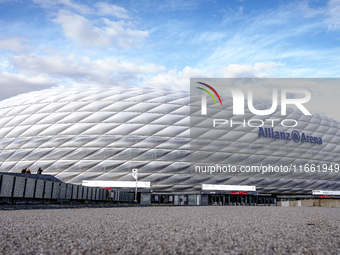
(311, 202)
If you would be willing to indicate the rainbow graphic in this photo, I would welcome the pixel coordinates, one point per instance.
(209, 93)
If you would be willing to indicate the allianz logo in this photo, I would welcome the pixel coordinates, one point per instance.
(294, 135)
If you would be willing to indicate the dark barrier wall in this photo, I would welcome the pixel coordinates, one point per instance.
(121, 196)
(23, 186)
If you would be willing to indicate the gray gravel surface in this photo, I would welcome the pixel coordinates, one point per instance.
(171, 230)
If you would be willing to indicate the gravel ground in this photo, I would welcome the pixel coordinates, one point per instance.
(171, 230)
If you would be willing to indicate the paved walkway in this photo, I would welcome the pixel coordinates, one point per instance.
(171, 230)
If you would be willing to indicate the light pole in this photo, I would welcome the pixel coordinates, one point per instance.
(135, 175)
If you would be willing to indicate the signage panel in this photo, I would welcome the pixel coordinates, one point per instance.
(228, 187)
(116, 184)
(326, 192)
(238, 193)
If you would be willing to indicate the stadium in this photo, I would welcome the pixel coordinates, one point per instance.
(101, 134)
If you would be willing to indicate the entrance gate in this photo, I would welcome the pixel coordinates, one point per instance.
(239, 200)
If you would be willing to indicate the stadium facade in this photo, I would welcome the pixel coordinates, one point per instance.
(101, 133)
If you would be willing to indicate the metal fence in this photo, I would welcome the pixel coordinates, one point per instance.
(21, 187)
(122, 196)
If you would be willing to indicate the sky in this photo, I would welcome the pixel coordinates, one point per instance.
(51, 43)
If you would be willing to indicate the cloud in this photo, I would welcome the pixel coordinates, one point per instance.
(14, 43)
(288, 34)
(181, 79)
(258, 70)
(306, 10)
(174, 79)
(35, 72)
(112, 33)
(106, 71)
(334, 14)
(4, 1)
(170, 5)
(110, 9)
(102, 8)
(240, 10)
(209, 37)
(66, 3)
(178, 5)
(14, 84)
